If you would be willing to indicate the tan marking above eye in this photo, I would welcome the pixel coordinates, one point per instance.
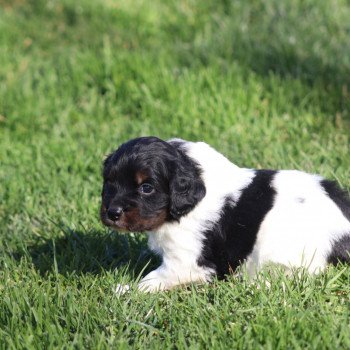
(140, 177)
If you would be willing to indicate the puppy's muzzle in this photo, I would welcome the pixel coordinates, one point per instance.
(114, 213)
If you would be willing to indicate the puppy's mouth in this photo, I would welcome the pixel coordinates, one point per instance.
(114, 224)
(123, 224)
(131, 221)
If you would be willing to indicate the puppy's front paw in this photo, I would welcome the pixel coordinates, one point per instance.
(150, 287)
(152, 283)
(121, 289)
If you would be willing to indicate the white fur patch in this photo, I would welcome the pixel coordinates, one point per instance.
(299, 229)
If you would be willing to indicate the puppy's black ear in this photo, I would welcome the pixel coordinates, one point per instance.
(186, 190)
(107, 159)
(106, 163)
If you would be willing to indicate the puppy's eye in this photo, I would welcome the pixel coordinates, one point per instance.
(146, 188)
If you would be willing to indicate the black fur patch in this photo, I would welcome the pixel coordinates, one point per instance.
(340, 251)
(232, 238)
(341, 247)
(338, 196)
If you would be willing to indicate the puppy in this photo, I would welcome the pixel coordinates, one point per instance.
(205, 216)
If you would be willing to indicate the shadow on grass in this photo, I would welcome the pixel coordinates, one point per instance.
(329, 79)
(92, 252)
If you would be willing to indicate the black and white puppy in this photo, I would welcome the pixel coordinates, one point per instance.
(205, 216)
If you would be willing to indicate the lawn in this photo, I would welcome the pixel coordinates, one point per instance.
(265, 82)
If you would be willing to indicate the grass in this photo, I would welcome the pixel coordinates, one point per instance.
(266, 83)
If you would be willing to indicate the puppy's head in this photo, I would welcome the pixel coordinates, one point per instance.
(147, 182)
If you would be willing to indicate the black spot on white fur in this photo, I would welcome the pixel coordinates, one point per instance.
(232, 238)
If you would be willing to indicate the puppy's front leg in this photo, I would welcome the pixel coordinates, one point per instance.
(157, 280)
(164, 278)
(154, 281)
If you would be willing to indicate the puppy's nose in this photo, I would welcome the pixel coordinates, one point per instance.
(115, 213)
